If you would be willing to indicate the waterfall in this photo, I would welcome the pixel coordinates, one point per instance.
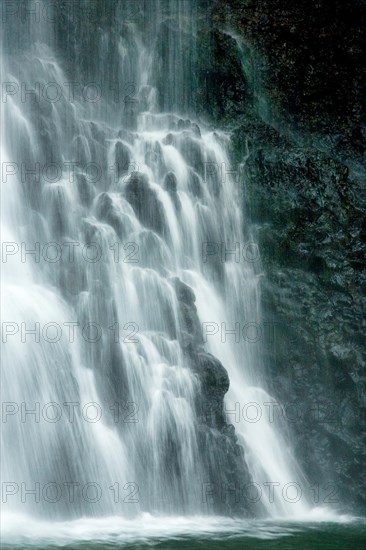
(125, 205)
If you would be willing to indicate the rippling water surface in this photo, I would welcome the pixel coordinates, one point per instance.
(183, 532)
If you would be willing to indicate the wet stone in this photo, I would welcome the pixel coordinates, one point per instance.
(170, 185)
(191, 151)
(143, 199)
(169, 139)
(122, 158)
(106, 211)
(196, 129)
(85, 190)
(195, 186)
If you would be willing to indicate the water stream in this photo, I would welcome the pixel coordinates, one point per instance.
(121, 206)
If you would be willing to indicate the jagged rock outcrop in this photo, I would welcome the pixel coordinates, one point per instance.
(225, 459)
(145, 202)
(107, 212)
(301, 128)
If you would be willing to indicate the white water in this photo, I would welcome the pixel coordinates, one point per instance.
(149, 529)
(160, 456)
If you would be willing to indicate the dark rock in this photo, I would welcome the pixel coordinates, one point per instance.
(305, 62)
(181, 125)
(127, 136)
(169, 139)
(225, 461)
(122, 159)
(217, 439)
(107, 212)
(195, 185)
(170, 185)
(145, 203)
(302, 122)
(184, 292)
(195, 129)
(191, 151)
(302, 201)
(214, 377)
(191, 332)
(170, 182)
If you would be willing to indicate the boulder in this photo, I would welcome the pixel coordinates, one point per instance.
(107, 212)
(143, 199)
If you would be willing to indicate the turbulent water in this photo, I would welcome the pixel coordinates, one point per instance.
(121, 205)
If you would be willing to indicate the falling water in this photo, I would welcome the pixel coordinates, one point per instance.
(141, 190)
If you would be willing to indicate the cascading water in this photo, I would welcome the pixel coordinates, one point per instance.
(140, 186)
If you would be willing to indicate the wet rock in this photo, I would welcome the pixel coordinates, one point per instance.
(85, 190)
(213, 176)
(127, 136)
(304, 202)
(305, 177)
(183, 124)
(143, 199)
(98, 132)
(184, 292)
(170, 185)
(191, 333)
(192, 153)
(58, 206)
(195, 185)
(170, 182)
(214, 377)
(153, 251)
(196, 129)
(216, 438)
(225, 462)
(169, 139)
(81, 151)
(107, 212)
(122, 159)
(306, 63)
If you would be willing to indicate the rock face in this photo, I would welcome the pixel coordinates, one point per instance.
(145, 202)
(217, 439)
(310, 231)
(107, 212)
(304, 60)
(301, 127)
